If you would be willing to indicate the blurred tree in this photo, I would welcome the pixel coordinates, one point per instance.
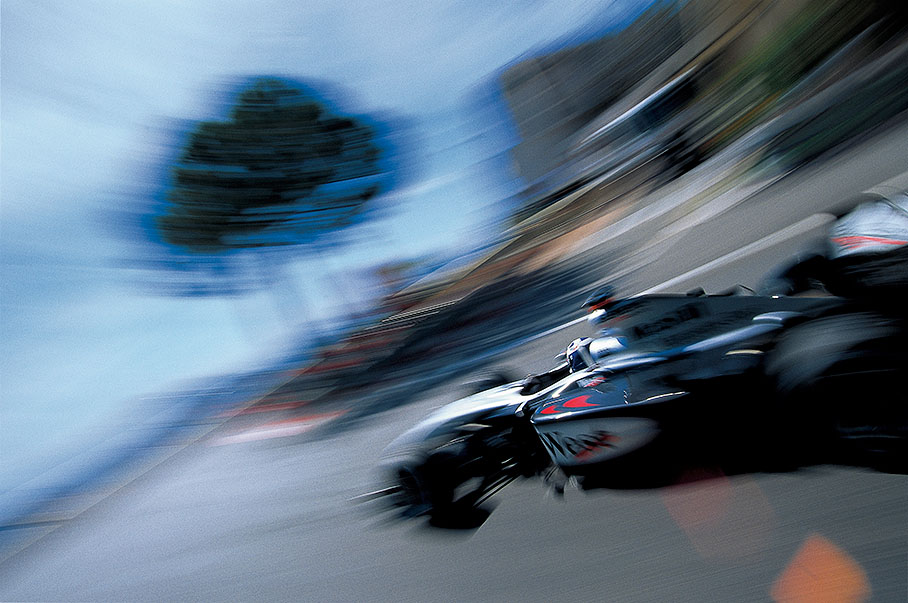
(281, 171)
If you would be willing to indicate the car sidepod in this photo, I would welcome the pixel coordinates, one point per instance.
(600, 421)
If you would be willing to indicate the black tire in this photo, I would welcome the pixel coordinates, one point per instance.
(839, 382)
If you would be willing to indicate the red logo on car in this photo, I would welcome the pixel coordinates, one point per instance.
(578, 402)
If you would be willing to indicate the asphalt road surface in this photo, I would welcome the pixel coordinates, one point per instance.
(271, 519)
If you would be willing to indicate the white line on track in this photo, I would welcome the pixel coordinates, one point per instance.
(796, 229)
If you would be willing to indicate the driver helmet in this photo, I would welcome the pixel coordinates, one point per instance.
(577, 354)
(597, 302)
(871, 227)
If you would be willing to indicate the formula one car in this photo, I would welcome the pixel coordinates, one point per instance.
(736, 382)
(739, 383)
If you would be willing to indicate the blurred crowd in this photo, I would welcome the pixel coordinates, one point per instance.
(768, 86)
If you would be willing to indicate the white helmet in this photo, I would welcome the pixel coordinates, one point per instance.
(578, 355)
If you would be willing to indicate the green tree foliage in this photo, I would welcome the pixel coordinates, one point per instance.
(282, 170)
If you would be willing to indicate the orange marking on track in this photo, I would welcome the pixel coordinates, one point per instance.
(823, 573)
(278, 429)
(724, 519)
(306, 418)
(264, 408)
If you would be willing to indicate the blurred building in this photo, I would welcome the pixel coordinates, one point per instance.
(552, 96)
(560, 98)
(681, 82)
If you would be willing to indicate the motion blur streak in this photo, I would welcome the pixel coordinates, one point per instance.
(258, 242)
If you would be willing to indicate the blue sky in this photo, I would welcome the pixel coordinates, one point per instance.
(87, 87)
